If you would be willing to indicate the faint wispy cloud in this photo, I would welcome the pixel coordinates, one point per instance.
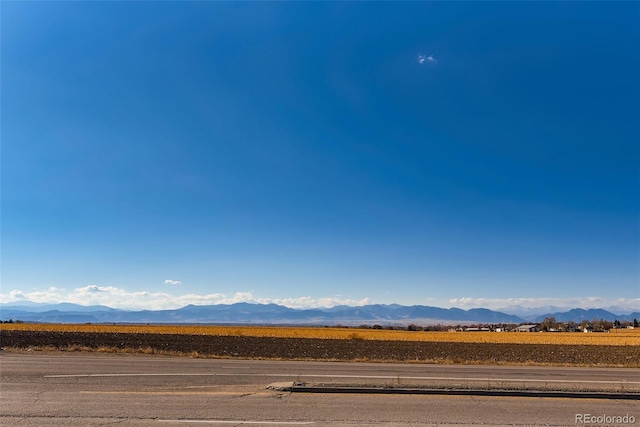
(172, 282)
(17, 295)
(51, 294)
(427, 59)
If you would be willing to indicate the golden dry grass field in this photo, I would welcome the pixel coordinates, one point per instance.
(619, 337)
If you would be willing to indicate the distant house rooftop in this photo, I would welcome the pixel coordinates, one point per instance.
(527, 328)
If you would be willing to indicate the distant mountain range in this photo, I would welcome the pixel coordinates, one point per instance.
(245, 313)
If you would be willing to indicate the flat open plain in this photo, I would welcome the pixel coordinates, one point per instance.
(80, 389)
(334, 344)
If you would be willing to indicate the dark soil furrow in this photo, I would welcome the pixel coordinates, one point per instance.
(330, 349)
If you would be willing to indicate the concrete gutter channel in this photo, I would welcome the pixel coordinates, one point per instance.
(303, 387)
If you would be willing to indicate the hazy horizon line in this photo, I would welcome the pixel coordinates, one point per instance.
(122, 299)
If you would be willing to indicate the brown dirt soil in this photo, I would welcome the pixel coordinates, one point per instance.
(330, 349)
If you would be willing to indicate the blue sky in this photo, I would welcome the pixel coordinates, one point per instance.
(156, 154)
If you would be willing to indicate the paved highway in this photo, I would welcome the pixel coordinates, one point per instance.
(88, 389)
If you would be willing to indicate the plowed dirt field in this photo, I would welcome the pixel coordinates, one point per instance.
(328, 349)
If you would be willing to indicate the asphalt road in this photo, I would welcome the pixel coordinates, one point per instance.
(81, 389)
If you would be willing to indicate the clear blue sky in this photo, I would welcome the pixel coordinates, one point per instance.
(321, 153)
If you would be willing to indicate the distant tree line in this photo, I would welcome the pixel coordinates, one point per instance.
(549, 324)
(434, 328)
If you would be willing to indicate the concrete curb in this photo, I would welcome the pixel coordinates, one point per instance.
(304, 388)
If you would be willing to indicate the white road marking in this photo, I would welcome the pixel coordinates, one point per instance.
(280, 423)
(379, 377)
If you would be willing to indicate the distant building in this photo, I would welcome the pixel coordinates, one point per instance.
(527, 328)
